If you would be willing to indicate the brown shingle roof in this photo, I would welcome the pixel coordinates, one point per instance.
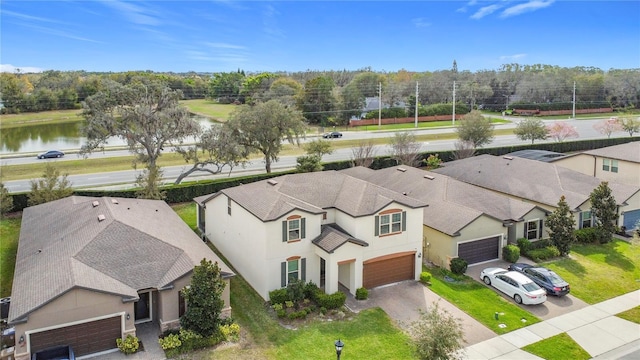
(332, 237)
(529, 179)
(63, 245)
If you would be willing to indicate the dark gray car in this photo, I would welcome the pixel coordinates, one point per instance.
(545, 278)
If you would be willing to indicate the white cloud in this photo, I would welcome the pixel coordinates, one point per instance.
(526, 7)
(420, 22)
(224, 46)
(511, 58)
(134, 13)
(28, 17)
(8, 68)
(467, 5)
(486, 10)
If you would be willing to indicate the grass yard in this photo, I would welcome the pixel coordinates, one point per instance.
(208, 108)
(600, 272)
(187, 211)
(481, 303)
(9, 234)
(559, 347)
(632, 315)
(37, 118)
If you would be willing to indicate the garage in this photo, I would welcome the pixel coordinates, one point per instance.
(479, 250)
(631, 219)
(388, 269)
(86, 338)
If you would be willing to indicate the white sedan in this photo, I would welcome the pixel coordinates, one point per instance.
(516, 285)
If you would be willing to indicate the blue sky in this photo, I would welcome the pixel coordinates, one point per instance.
(225, 35)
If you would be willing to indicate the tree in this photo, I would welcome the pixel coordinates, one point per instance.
(531, 129)
(308, 163)
(50, 187)
(603, 209)
(630, 124)
(608, 126)
(561, 225)
(463, 150)
(149, 183)
(559, 131)
(363, 154)
(263, 126)
(437, 335)
(144, 114)
(318, 147)
(6, 201)
(225, 87)
(433, 162)
(317, 100)
(204, 299)
(405, 148)
(476, 129)
(214, 149)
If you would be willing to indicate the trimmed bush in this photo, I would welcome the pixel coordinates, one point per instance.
(295, 290)
(587, 235)
(230, 332)
(511, 253)
(362, 293)
(331, 301)
(301, 314)
(425, 278)
(545, 253)
(129, 345)
(278, 296)
(458, 266)
(310, 290)
(524, 245)
(171, 341)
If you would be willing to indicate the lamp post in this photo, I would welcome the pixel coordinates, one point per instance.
(339, 345)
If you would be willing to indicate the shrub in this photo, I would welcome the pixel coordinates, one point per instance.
(548, 252)
(323, 310)
(525, 246)
(288, 304)
(511, 253)
(295, 290)
(281, 313)
(129, 345)
(458, 266)
(310, 290)
(425, 278)
(277, 307)
(301, 314)
(278, 296)
(230, 332)
(587, 235)
(332, 301)
(171, 341)
(362, 293)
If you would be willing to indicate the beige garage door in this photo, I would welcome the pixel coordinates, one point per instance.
(86, 338)
(388, 269)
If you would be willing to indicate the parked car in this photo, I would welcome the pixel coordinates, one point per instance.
(51, 154)
(331, 135)
(547, 279)
(516, 285)
(55, 353)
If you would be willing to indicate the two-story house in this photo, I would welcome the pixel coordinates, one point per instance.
(326, 227)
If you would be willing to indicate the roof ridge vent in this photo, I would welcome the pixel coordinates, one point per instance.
(95, 203)
(101, 217)
(401, 169)
(507, 157)
(429, 177)
(272, 182)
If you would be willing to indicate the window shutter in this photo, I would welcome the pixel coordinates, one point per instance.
(377, 225)
(404, 221)
(540, 232)
(580, 220)
(303, 269)
(285, 231)
(526, 229)
(303, 228)
(283, 274)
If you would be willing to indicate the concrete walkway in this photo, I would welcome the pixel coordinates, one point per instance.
(595, 328)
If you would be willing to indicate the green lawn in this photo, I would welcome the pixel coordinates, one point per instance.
(37, 118)
(600, 272)
(559, 347)
(632, 314)
(481, 303)
(9, 234)
(208, 108)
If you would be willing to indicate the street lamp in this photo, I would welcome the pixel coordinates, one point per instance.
(339, 345)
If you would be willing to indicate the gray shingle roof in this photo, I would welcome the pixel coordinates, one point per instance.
(452, 204)
(332, 237)
(63, 245)
(269, 200)
(529, 179)
(627, 152)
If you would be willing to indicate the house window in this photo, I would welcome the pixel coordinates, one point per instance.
(229, 206)
(293, 229)
(293, 269)
(390, 222)
(610, 165)
(586, 219)
(533, 229)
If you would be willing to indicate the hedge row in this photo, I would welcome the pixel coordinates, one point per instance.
(559, 105)
(187, 191)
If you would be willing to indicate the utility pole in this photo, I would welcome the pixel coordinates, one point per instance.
(453, 118)
(574, 99)
(379, 104)
(416, 105)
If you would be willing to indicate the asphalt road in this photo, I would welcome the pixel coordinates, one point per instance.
(124, 179)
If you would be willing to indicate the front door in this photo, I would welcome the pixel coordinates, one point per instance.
(322, 272)
(142, 309)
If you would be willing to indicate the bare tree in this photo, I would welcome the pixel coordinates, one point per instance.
(405, 148)
(464, 149)
(363, 154)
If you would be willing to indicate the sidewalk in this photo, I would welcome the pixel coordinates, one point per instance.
(595, 328)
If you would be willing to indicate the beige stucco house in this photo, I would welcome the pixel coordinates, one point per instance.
(462, 220)
(89, 270)
(543, 184)
(326, 227)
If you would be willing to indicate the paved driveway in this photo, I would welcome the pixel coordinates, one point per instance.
(401, 302)
(553, 307)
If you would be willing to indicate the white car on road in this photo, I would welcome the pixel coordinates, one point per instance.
(516, 285)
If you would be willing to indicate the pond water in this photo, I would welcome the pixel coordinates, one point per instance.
(60, 136)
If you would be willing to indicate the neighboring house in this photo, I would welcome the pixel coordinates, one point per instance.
(89, 270)
(325, 227)
(543, 184)
(535, 154)
(619, 163)
(462, 220)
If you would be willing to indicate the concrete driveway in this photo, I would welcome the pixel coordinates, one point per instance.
(402, 301)
(553, 307)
